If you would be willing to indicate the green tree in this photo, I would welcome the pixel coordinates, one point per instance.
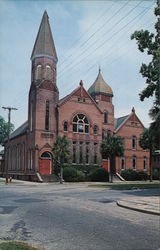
(4, 130)
(61, 153)
(150, 42)
(111, 147)
(146, 141)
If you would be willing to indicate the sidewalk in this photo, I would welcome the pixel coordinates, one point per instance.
(150, 205)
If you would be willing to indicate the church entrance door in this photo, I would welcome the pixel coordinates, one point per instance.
(46, 163)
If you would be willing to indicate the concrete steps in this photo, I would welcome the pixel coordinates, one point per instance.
(49, 178)
(117, 178)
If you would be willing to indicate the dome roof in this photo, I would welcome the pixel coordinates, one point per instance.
(100, 86)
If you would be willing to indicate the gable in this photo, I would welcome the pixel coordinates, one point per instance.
(80, 93)
(135, 121)
(131, 120)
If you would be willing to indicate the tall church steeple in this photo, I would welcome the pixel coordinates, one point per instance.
(44, 44)
(44, 56)
(43, 95)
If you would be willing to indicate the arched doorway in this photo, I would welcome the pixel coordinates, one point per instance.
(46, 163)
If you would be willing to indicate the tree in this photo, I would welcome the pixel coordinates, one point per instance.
(146, 141)
(111, 147)
(61, 153)
(4, 130)
(151, 43)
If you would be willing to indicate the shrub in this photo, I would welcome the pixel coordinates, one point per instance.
(142, 176)
(130, 175)
(71, 174)
(86, 168)
(156, 174)
(80, 176)
(99, 174)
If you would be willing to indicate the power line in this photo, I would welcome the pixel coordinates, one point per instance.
(106, 22)
(76, 65)
(75, 42)
(98, 39)
(115, 33)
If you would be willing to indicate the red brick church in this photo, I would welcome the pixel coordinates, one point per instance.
(84, 117)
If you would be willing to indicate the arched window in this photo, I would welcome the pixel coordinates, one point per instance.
(74, 152)
(103, 134)
(133, 142)
(65, 126)
(95, 129)
(134, 162)
(39, 72)
(48, 72)
(31, 117)
(47, 116)
(145, 163)
(87, 152)
(123, 163)
(46, 155)
(105, 117)
(95, 153)
(80, 124)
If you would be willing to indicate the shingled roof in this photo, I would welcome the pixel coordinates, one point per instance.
(119, 121)
(44, 44)
(19, 131)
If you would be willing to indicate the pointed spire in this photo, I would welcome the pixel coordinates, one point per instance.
(133, 110)
(44, 44)
(99, 69)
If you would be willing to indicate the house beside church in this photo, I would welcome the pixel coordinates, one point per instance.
(84, 117)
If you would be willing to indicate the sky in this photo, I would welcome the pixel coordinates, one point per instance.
(87, 34)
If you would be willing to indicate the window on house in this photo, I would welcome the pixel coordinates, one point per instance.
(95, 129)
(134, 162)
(105, 117)
(95, 153)
(31, 119)
(23, 155)
(123, 163)
(74, 152)
(87, 152)
(48, 72)
(108, 133)
(133, 142)
(65, 126)
(31, 159)
(103, 134)
(80, 124)
(47, 116)
(39, 72)
(145, 163)
(80, 153)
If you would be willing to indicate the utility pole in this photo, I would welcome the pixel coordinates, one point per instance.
(9, 124)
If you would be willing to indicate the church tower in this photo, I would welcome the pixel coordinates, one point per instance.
(43, 94)
(102, 93)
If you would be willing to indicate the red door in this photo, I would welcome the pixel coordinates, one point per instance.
(45, 166)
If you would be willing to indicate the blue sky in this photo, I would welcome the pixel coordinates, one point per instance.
(86, 34)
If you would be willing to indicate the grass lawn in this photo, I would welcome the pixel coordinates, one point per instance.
(15, 245)
(127, 186)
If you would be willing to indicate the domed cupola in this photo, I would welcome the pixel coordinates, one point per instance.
(100, 87)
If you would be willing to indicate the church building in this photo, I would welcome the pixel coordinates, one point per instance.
(85, 117)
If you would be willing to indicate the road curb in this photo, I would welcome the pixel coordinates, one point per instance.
(120, 204)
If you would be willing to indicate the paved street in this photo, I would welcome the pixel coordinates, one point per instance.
(73, 216)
